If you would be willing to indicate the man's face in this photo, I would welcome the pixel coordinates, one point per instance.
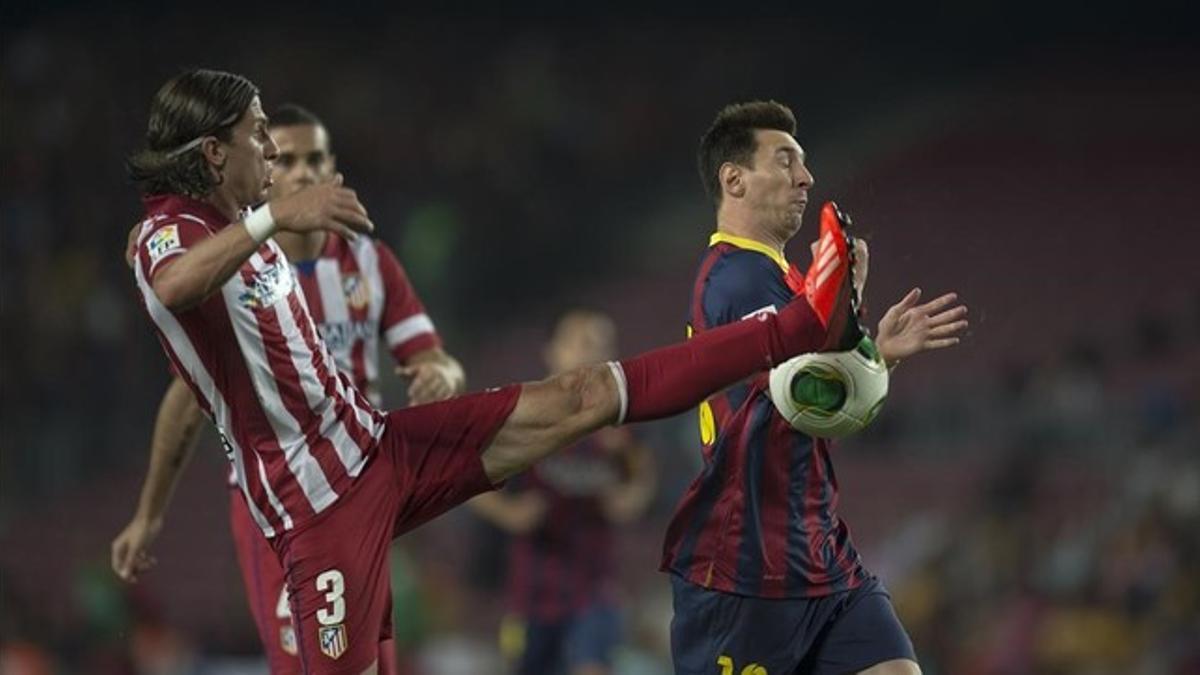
(579, 340)
(304, 158)
(777, 187)
(246, 174)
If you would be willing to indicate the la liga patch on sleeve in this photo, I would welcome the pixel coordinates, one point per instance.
(163, 242)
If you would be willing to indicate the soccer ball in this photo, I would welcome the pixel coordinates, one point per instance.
(831, 394)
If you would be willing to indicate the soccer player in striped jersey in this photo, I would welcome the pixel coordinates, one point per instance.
(357, 292)
(563, 614)
(329, 478)
(764, 575)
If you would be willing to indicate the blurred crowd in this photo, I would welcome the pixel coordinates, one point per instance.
(1032, 512)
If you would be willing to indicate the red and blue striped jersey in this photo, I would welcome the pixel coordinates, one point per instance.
(566, 564)
(761, 518)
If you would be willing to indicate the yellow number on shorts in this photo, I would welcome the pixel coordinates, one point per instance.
(336, 585)
(727, 667)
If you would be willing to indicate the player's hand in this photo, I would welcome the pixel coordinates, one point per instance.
(130, 554)
(325, 206)
(908, 328)
(431, 381)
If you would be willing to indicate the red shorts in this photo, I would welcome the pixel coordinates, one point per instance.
(265, 592)
(427, 462)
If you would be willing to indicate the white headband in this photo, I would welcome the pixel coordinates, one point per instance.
(200, 139)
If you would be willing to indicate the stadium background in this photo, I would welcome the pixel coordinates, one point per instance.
(1032, 498)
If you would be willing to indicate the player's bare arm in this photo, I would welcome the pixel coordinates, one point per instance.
(175, 430)
(434, 375)
(628, 500)
(517, 513)
(202, 270)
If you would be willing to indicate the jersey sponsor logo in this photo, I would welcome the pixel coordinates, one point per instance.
(340, 335)
(358, 292)
(268, 287)
(163, 242)
(333, 640)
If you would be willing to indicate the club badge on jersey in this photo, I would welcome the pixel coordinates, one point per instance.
(358, 292)
(333, 640)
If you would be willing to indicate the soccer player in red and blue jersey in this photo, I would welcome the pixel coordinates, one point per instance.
(764, 575)
(358, 294)
(329, 478)
(563, 615)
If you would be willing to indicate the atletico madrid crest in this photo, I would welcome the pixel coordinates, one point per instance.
(333, 640)
(358, 293)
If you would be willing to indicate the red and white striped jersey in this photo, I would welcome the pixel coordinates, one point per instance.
(295, 429)
(356, 293)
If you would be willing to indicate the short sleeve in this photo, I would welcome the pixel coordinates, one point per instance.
(405, 325)
(741, 284)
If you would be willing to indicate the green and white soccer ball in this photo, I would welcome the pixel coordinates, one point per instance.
(831, 394)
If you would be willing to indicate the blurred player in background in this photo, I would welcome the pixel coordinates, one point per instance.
(563, 614)
(329, 478)
(358, 295)
(764, 576)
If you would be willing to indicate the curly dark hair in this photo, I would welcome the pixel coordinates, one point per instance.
(190, 106)
(731, 138)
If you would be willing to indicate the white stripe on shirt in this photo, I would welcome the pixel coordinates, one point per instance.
(290, 436)
(187, 357)
(417, 324)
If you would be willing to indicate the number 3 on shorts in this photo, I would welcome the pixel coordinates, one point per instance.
(332, 582)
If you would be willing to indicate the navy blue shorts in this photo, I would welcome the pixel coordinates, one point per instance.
(715, 633)
(587, 637)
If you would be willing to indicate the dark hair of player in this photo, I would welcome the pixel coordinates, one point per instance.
(731, 138)
(191, 106)
(292, 115)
